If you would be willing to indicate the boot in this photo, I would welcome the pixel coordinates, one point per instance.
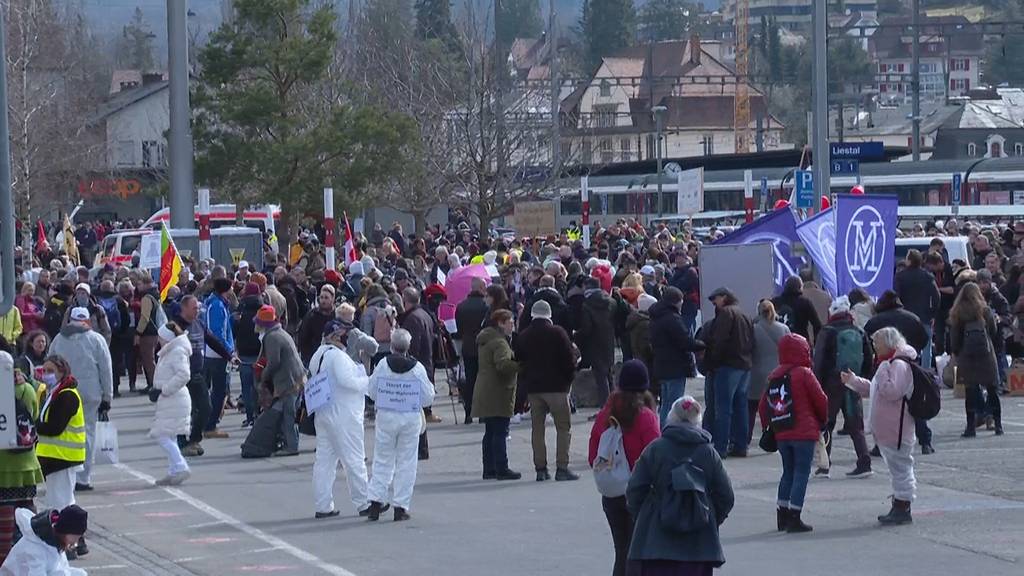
(898, 514)
(400, 514)
(781, 518)
(969, 431)
(82, 548)
(795, 525)
(373, 513)
(999, 424)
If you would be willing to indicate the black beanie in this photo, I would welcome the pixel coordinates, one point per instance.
(633, 376)
(71, 520)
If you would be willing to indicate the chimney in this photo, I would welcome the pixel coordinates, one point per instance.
(695, 49)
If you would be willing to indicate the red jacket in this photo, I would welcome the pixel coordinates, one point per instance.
(645, 429)
(810, 405)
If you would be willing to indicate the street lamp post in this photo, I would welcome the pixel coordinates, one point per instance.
(659, 115)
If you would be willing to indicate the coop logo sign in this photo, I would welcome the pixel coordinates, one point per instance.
(865, 256)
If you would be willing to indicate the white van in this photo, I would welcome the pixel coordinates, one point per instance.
(263, 217)
(956, 247)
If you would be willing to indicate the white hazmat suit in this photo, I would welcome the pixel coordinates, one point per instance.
(31, 556)
(400, 388)
(339, 429)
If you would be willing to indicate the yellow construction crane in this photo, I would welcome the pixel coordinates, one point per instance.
(741, 101)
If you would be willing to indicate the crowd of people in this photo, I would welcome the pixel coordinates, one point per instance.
(624, 310)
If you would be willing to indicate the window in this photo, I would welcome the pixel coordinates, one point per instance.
(960, 64)
(1018, 149)
(972, 149)
(607, 151)
(124, 153)
(606, 89)
(149, 153)
(960, 84)
(626, 149)
(707, 142)
(883, 68)
(899, 68)
(604, 115)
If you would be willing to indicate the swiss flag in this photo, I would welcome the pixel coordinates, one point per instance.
(350, 244)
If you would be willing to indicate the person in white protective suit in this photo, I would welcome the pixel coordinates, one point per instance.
(173, 402)
(339, 424)
(400, 388)
(46, 538)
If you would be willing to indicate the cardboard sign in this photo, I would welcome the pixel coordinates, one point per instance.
(534, 219)
(398, 394)
(317, 392)
(149, 258)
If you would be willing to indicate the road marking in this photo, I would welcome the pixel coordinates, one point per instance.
(269, 539)
(138, 503)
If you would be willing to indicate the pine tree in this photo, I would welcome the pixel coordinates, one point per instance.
(661, 20)
(135, 48)
(434, 20)
(517, 19)
(606, 26)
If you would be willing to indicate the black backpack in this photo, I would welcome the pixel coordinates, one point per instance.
(780, 403)
(925, 401)
(785, 314)
(976, 341)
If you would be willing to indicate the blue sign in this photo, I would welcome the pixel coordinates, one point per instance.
(804, 189)
(844, 166)
(857, 150)
(865, 243)
(957, 186)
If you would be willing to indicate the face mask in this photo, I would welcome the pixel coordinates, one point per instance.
(49, 378)
(82, 300)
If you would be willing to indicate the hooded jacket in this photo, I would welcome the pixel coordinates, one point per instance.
(802, 317)
(672, 343)
(810, 404)
(89, 357)
(892, 383)
(36, 554)
(652, 477)
(546, 358)
(348, 380)
(247, 342)
(174, 406)
(825, 352)
(397, 367)
(495, 390)
(595, 334)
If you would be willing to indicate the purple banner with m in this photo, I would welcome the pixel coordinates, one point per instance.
(865, 242)
(779, 228)
(818, 235)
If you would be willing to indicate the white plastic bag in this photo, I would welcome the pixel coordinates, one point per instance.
(106, 441)
(821, 459)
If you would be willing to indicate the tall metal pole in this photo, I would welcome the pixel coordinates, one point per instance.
(182, 203)
(915, 78)
(659, 112)
(820, 96)
(6, 200)
(556, 89)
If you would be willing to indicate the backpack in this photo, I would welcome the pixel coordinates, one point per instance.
(384, 324)
(925, 401)
(849, 350)
(109, 306)
(976, 342)
(26, 428)
(685, 506)
(158, 316)
(780, 403)
(611, 469)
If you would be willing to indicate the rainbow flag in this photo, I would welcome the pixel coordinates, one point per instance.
(170, 262)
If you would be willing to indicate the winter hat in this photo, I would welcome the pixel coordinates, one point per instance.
(71, 520)
(331, 327)
(166, 334)
(332, 277)
(645, 301)
(251, 289)
(260, 279)
(647, 270)
(79, 314)
(266, 316)
(633, 377)
(490, 256)
(685, 410)
(840, 305)
(541, 309)
(84, 286)
(367, 262)
(355, 268)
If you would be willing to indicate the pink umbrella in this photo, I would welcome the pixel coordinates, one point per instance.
(458, 283)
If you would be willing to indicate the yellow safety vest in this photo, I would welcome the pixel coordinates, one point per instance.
(69, 446)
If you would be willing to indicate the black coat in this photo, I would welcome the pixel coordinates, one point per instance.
(546, 361)
(672, 344)
(825, 352)
(559, 309)
(469, 320)
(421, 326)
(797, 312)
(909, 325)
(918, 292)
(595, 335)
(247, 342)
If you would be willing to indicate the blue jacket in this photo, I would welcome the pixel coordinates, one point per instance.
(218, 322)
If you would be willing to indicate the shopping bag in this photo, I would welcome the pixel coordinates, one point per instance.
(821, 459)
(106, 441)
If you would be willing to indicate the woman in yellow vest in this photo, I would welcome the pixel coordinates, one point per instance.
(61, 431)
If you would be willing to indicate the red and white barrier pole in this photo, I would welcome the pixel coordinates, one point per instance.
(204, 224)
(331, 255)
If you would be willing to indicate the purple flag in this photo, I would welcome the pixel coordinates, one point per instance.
(779, 227)
(818, 235)
(865, 242)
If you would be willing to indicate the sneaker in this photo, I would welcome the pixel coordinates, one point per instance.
(565, 475)
(192, 450)
(508, 475)
(179, 478)
(737, 453)
(433, 419)
(165, 481)
(876, 452)
(543, 475)
(927, 449)
(863, 470)
(366, 511)
(80, 487)
(247, 424)
(822, 473)
(216, 433)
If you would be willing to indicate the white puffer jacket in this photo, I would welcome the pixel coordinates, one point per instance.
(174, 408)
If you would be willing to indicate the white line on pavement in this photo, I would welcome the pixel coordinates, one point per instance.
(139, 503)
(242, 553)
(241, 526)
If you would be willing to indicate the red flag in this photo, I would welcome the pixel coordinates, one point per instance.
(40, 236)
(350, 244)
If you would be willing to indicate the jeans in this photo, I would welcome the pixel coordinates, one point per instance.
(602, 381)
(730, 392)
(621, 524)
(1003, 367)
(216, 375)
(923, 432)
(797, 456)
(495, 448)
(200, 395)
(122, 355)
(245, 373)
(472, 369)
(926, 354)
(708, 421)
(672, 389)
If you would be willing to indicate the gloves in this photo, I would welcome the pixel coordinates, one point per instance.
(104, 406)
(154, 395)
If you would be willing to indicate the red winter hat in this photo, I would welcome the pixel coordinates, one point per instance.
(332, 277)
(266, 316)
